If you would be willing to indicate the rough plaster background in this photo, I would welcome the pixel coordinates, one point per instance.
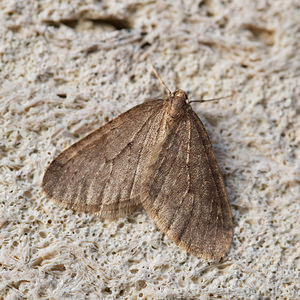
(69, 66)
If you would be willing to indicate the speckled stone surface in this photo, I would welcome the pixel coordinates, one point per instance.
(66, 67)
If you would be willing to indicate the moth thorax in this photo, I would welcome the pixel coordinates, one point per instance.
(178, 102)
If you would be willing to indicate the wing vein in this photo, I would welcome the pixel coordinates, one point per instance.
(139, 157)
(133, 138)
(187, 220)
(188, 169)
(213, 176)
(159, 168)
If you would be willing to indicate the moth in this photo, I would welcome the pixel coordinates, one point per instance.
(158, 156)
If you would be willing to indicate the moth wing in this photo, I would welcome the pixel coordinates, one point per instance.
(184, 192)
(102, 172)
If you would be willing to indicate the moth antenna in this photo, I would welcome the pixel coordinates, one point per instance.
(213, 99)
(158, 77)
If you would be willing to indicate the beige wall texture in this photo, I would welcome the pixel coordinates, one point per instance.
(66, 67)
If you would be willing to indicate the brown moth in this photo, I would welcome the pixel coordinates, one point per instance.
(156, 155)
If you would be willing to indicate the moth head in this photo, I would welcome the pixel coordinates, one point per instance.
(177, 103)
(180, 94)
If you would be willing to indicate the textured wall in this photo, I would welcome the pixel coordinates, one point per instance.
(69, 66)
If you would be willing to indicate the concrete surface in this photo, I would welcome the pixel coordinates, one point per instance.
(66, 67)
